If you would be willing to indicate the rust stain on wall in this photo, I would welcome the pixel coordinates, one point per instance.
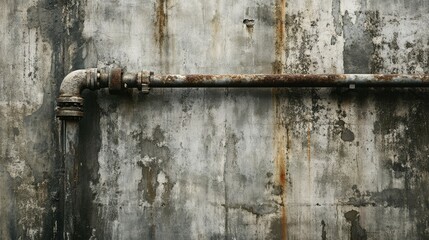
(281, 145)
(280, 15)
(161, 22)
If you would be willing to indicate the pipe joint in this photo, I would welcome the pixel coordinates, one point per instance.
(144, 78)
(70, 102)
(117, 81)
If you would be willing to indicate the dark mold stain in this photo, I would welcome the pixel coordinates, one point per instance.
(158, 134)
(89, 135)
(361, 54)
(393, 45)
(409, 45)
(340, 128)
(356, 230)
(277, 190)
(333, 40)
(373, 25)
(58, 23)
(336, 14)
(347, 135)
(391, 197)
(250, 23)
(9, 228)
(15, 131)
(360, 199)
(159, 158)
(410, 149)
(152, 148)
(257, 209)
(417, 57)
(316, 105)
(229, 168)
(148, 184)
(399, 167)
(300, 44)
(323, 235)
(217, 236)
(264, 14)
(357, 45)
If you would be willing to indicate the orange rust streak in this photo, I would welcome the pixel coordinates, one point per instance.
(281, 132)
(280, 14)
(161, 22)
(282, 144)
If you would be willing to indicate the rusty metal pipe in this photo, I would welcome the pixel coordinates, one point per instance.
(69, 144)
(76, 81)
(288, 80)
(70, 103)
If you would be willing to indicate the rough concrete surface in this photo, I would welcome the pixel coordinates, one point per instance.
(218, 163)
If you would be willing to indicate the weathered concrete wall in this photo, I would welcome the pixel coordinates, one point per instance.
(218, 163)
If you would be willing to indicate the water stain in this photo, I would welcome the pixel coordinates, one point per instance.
(229, 168)
(357, 46)
(347, 135)
(336, 14)
(161, 22)
(250, 23)
(89, 135)
(152, 148)
(356, 230)
(215, 46)
(323, 230)
(256, 209)
(389, 197)
(148, 184)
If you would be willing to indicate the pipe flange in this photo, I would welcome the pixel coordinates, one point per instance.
(144, 78)
(69, 108)
(92, 76)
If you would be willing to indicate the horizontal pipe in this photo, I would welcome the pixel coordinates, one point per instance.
(70, 102)
(289, 80)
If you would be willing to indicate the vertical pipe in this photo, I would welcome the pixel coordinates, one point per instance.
(70, 142)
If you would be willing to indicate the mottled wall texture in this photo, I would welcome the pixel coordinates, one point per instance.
(218, 163)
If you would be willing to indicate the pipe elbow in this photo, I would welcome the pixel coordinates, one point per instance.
(70, 102)
(75, 82)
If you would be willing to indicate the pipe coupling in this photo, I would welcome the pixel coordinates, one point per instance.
(70, 108)
(70, 102)
(119, 81)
